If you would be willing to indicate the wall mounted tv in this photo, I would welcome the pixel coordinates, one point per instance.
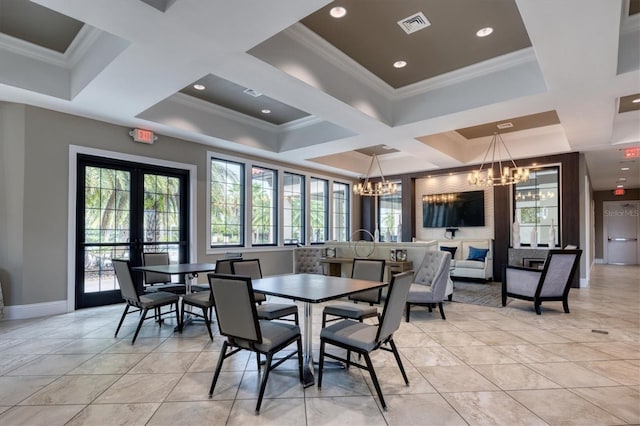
(453, 210)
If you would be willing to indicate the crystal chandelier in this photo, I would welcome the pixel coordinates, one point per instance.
(377, 189)
(509, 173)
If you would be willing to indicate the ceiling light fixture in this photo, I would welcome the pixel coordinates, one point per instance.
(509, 174)
(483, 32)
(198, 87)
(338, 12)
(619, 186)
(624, 169)
(636, 101)
(399, 64)
(367, 189)
(265, 111)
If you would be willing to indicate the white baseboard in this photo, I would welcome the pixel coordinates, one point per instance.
(584, 282)
(596, 260)
(35, 310)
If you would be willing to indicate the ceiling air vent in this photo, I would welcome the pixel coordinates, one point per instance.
(414, 23)
(252, 92)
(503, 126)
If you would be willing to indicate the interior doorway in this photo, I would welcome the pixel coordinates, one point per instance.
(622, 232)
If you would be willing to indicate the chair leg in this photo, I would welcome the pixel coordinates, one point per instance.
(320, 363)
(374, 379)
(263, 385)
(565, 305)
(504, 299)
(295, 318)
(258, 360)
(536, 305)
(223, 352)
(396, 354)
(124, 314)
(180, 315)
(441, 311)
(407, 311)
(300, 361)
(207, 322)
(324, 320)
(142, 317)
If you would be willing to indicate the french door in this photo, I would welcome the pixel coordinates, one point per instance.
(123, 210)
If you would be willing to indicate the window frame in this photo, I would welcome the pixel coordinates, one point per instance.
(243, 205)
(303, 217)
(346, 213)
(247, 205)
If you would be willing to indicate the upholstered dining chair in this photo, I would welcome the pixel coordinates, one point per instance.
(552, 283)
(238, 321)
(143, 302)
(430, 282)
(362, 338)
(155, 281)
(266, 311)
(202, 300)
(364, 269)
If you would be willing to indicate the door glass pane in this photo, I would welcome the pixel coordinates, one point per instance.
(318, 210)
(340, 211)
(293, 199)
(161, 209)
(264, 188)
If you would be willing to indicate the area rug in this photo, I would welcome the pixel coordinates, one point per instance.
(485, 294)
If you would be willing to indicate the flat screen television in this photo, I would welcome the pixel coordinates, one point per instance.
(453, 210)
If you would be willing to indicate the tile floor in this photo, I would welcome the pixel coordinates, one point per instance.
(481, 366)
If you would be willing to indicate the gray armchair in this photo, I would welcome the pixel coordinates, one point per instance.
(430, 282)
(552, 283)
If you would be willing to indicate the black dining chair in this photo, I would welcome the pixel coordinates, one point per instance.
(143, 302)
(238, 321)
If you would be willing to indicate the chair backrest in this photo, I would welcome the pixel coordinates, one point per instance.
(558, 272)
(223, 266)
(434, 271)
(151, 259)
(372, 270)
(125, 281)
(235, 308)
(246, 267)
(306, 260)
(394, 306)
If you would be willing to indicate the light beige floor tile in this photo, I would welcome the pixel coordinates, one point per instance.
(570, 375)
(559, 406)
(36, 415)
(9, 362)
(480, 355)
(108, 364)
(392, 383)
(164, 362)
(540, 337)
(206, 361)
(174, 344)
(621, 350)
(51, 365)
(575, 352)
(203, 413)
(344, 411)
(14, 389)
(498, 338)
(37, 346)
(420, 410)
(195, 387)
(455, 338)
(515, 376)
(280, 384)
(339, 382)
(115, 414)
(132, 388)
(272, 412)
(471, 325)
(85, 346)
(414, 340)
(491, 408)
(428, 357)
(142, 345)
(527, 354)
(621, 401)
(72, 390)
(622, 372)
(456, 378)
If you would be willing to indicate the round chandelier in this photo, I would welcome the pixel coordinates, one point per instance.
(509, 173)
(368, 189)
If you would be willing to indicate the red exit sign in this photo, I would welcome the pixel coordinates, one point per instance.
(618, 191)
(144, 136)
(632, 152)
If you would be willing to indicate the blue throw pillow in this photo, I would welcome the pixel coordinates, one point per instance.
(477, 253)
(451, 250)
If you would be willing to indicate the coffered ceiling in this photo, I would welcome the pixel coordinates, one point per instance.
(286, 81)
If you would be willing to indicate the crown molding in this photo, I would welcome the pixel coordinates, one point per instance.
(33, 51)
(81, 44)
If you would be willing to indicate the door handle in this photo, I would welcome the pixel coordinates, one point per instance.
(622, 239)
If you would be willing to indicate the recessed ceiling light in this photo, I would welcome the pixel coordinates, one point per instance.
(624, 168)
(483, 32)
(338, 12)
(399, 64)
(619, 186)
(636, 101)
(198, 87)
(265, 111)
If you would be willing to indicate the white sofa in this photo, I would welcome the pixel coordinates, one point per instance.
(463, 268)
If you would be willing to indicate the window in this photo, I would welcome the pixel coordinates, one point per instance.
(340, 211)
(293, 208)
(264, 196)
(390, 215)
(318, 210)
(536, 206)
(226, 203)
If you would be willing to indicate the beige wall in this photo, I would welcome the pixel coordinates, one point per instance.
(34, 187)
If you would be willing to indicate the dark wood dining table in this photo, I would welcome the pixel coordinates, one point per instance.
(311, 289)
